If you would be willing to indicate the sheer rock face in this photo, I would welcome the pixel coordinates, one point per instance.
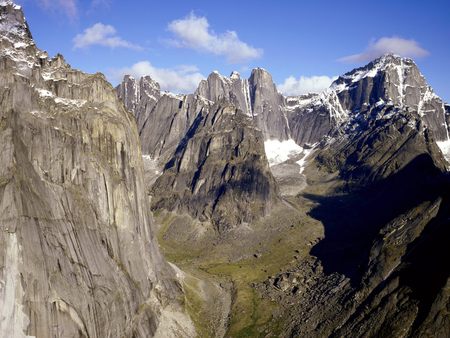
(219, 171)
(268, 106)
(139, 97)
(77, 254)
(163, 118)
(234, 90)
(224, 166)
(257, 97)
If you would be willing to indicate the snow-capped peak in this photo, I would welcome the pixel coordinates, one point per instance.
(12, 22)
(9, 3)
(235, 75)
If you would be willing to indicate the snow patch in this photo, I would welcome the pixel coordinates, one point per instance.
(279, 151)
(306, 153)
(445, 148)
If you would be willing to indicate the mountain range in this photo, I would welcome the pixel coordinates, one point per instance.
(234, 211)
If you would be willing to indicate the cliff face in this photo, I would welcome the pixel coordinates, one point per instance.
(163, 118)
(257, 97)
(219, 171)
(210, 148)
(77, 253)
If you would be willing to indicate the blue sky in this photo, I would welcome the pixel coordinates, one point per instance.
(179, 42)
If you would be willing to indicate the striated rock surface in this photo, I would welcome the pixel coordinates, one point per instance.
(219, 171)
(257, 97)
(268, 106)
(163, 118)
(77, 253)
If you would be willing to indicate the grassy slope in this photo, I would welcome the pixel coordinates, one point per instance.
(275, 241)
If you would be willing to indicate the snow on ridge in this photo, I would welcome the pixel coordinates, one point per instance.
(280, 151)
(445, 148)
(60, 100)
(306, 153)
(235, 75)
(173, 95)
(293, 102)
(373, 69)
(9, 3)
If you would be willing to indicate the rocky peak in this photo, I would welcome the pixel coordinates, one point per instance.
(71, 166)
(138, 96)
(12, 21)
(219, 171)
(234, 90)
(268, 105)
(261, 78)
(235, 75)
(390, 79)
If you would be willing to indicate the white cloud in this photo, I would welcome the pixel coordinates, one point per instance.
(304, 84)
(180, 79)
(194, 32)
(102, 35)
(396, 45)
(68, 7)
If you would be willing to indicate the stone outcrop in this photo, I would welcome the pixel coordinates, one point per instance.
(163, 118)
(77, 252)
(219, 171)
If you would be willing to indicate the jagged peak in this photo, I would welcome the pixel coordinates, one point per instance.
(128, 77)
(143, 80)
(235, 75)
(10, 3)
(13, 22)
(259, 70)
(377, 66)
(148, 81)
(391, 57)
(260, 75)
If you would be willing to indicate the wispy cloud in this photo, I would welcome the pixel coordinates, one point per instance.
(100, 3)
(179, 79)
(102, 35)
(194, 32)
(396, 45)
(68, 7)
(305, 84)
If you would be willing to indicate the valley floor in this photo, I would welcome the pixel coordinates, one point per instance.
(223, 274)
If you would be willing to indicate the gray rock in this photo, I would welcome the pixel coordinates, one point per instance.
(77, 252)
(219, 171)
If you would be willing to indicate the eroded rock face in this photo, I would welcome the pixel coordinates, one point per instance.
(213, 155)
(163, 118)
(257, 97)
(77, 253)
(219, 171)
(268, 106)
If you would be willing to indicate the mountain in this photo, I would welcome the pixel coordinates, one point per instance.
(357, 96)
(379, 179)
(320, 215)
(219, 171)
(78, 256)
(163, 118)
(211, 154)
(369, 154)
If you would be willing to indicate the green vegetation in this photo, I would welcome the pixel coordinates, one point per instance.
(274, 245)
